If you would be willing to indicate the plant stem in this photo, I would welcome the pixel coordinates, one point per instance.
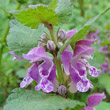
(18, 6)
(5, 33)
(1, 51)
(81, 4)
(50, 28)
(59, 70)
(57, 60)
(3, 40)
(52, 36)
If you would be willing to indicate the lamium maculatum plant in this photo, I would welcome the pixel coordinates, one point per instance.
(58, 58)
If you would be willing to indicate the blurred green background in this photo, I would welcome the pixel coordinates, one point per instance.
(12, 72)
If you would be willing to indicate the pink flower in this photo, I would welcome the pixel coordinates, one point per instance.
(43, 73)
(76, 64)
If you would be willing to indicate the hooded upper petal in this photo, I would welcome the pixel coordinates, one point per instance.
(85, 42)
(83, 50)
(95, 99)
(36, 54)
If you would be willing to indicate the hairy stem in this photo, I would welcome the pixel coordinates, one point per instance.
(52, 35)
(50, 28)
(59, 70)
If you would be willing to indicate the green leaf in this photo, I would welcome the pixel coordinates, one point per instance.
(33, 17)
(81, 33)
(53, 4)
(103, 106)
(21, 38)
(104, 81)
(64, 10)
(30, 100)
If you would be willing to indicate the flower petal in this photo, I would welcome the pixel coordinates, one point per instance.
(36, 54)
(52, 76)
(81, 68)
(70, 33)
(26, 81)
(45, 68)
(95, 99)
(74, 74)
(66, 57)
(46, 85)
(31, 74)
(81, 50)
(15, 56)
(34, 73)
(83, 85)
(93, 71)
(85, 42)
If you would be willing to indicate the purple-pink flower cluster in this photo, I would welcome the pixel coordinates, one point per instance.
(75, 64)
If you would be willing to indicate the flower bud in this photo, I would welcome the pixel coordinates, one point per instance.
(62, 35)
(41, 44)
(50, 45)
(43, 36)
(62, 90)
(60, 44)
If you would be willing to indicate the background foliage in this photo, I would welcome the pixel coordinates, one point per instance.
(12, 72)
